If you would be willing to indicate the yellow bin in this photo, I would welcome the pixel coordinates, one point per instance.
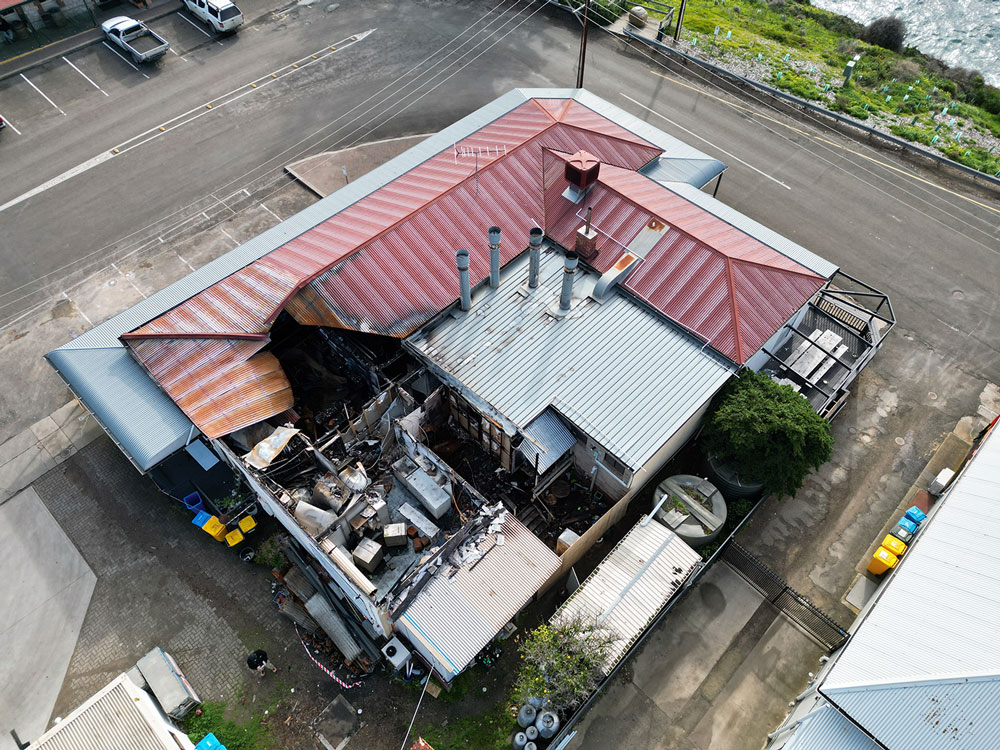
(894, 545)
(215, 528)
(882, 561)
(234, 537)
(247, 524)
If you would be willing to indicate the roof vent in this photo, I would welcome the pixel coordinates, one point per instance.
(582, 170)
(615, 275)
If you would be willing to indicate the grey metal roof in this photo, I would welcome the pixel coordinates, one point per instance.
(549, 441)
(632, 584)
(927, 645)
(453, 618)
(621, 373)
(142, 419)
(825, 728)
(119, 717)
(758, 231)
(695, 172)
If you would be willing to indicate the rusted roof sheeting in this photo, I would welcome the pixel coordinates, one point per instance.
(713, 279)
(407, 276)
(221, 386)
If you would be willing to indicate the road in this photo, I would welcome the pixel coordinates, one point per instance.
(932, 247)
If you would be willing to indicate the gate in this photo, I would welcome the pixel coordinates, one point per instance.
(799, 609)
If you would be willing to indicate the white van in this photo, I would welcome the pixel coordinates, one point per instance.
(221, 16)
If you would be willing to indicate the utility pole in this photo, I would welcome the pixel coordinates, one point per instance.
(583, 45)
(680, 20)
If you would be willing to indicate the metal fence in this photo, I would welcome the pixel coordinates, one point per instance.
(799, 609)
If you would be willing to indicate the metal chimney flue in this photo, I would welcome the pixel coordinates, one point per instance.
(462, 258)
(494, 237)
(534, 255)
(566, 297)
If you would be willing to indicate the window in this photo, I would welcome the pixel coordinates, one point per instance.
(230, 12)
(615, 466)
(213, 10)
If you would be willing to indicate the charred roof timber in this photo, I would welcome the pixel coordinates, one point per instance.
(535, 255)
(462, 258)
(494, 239)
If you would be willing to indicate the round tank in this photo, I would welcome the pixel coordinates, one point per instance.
(531, 746)
(531, 733)
(526, 716)
(547, 724)
(519, 741)
(730, 482)
(693, 508)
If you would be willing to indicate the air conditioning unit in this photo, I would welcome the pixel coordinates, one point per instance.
(396, 654)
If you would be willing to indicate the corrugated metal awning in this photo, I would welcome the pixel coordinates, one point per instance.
(128, 404)
(454, 617)
(694, 172)
(119, 717)
(630, 586)
(549, 441)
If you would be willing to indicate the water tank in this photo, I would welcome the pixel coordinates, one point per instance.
(547, 724)
(692, 507)
(582, 170)
(733, 485)
(526, 716)
(519, 741)
(531, 733)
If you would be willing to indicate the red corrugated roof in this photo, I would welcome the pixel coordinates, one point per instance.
(728, 288)
(221, 385)
(385, 264)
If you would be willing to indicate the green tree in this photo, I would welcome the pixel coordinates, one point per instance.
(563, 662)
(768, 432)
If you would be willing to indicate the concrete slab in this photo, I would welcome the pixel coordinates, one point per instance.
(863, 589)
(44, 427)
(950, 455)
(31, 388)
(76, 424)
(323, 173)
(337, 722)
(23, 469)
(58, 446)
(150, 275)
(694, 637)
(105, 294)
(44, 596)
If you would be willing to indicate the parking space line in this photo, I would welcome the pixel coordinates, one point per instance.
(196, 26)
(9, 123)
(124, 59)
(42, 94)
(88, 78)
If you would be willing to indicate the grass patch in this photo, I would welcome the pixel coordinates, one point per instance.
(488, 731)
(248, 734)
(810, 48)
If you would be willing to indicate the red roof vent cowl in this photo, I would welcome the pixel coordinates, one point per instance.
(582, 170)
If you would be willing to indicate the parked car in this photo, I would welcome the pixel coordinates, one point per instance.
(136, 38)
(222, 16)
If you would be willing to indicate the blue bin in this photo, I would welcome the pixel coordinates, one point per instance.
(907, 524)
(210, 742)
(201, 518)
(916, 515)
(193, 502)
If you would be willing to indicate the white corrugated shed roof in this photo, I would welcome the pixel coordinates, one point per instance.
(632, 584)
(922, 670)
(119, 717)
(453, 618)
(755, 229)
(622, 374)
(825, 728)
(550, 441)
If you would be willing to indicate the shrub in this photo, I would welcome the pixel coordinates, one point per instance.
(563, 662)
(888, 32)
(768, 432)
(905, 70)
